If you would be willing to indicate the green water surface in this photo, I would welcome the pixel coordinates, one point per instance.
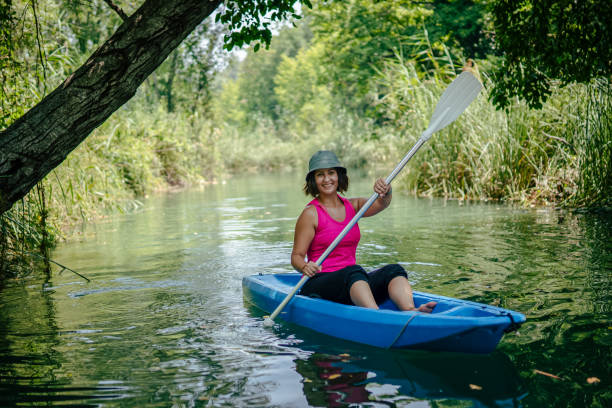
(163, 322)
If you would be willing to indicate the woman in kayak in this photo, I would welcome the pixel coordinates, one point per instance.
(339, 279)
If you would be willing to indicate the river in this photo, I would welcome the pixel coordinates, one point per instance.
(163, 322)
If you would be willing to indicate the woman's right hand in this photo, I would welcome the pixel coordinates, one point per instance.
(310, 269)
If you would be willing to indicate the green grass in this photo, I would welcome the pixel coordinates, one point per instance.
(133, 154)
(519, 155)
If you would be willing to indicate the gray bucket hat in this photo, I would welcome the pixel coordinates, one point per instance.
(323, 159)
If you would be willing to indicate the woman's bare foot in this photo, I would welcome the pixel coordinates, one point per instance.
(427, 307)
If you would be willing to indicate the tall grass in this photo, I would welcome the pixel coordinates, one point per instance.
(134, 153)
(521, 155)
(559, 155)
(595, 147)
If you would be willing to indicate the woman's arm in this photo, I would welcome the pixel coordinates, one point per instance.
(384, 192)
(305, 228)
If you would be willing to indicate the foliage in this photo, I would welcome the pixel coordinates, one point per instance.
(357, 35)
(45, 44)
(594, 140)
(183, 80)
(303, 100)
(463, 25)
(255, 93)
(23, 229)
(7, 66)
(86, 25)
(549, 40)
(251, 21)
(517, 155)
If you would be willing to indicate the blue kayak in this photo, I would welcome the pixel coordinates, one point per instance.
(455, 325)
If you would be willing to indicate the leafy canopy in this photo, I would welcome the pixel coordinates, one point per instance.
(250, 21)
(358, 35)
(544, 40)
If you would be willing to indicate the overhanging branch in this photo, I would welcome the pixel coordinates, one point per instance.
(42, 138)
(117, 9)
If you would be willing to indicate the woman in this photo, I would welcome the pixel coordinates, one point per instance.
(339, 279)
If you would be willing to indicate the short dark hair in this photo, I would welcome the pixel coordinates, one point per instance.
(310, 188)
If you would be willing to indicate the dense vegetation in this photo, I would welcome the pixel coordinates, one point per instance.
(358, 77)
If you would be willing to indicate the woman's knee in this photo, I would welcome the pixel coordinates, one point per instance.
(395, 269)
(354, 274)
(392, 271)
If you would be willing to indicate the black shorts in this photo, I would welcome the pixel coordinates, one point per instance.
(336, 286)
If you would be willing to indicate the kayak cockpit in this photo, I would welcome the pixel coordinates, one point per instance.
(445, 307)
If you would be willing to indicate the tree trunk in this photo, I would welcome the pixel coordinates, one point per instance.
(42, 138)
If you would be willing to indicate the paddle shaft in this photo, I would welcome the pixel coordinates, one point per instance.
(424, 137)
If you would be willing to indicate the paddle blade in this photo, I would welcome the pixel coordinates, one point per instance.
(455, 99)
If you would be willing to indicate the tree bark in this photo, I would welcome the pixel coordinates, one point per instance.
(42, 138)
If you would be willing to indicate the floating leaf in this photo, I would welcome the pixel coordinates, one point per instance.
(475, 387)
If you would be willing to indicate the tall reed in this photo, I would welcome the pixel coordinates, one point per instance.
(134, 153)
(594, 147)
(517, 155)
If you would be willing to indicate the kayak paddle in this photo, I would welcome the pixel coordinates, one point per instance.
(455, 99)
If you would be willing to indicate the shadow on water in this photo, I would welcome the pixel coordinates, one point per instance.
(341, 373)
(28, 356)
(568, 330)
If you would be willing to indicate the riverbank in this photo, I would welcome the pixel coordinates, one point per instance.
(559, 157)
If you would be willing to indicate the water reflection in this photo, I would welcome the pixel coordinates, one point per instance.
(340, 373)
(402, 377)
(29, 355)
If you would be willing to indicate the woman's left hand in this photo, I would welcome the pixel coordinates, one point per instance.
(381, 188)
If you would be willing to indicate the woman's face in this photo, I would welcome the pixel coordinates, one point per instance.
(326, 180)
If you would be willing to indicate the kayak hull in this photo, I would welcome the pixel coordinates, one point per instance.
(456, 325)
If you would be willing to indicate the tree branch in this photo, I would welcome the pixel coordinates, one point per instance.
(117, 9)
(41, 139)
(64, 268)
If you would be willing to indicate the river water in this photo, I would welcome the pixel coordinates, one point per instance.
(163, 321)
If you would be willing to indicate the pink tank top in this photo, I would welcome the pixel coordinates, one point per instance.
(327, 230)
